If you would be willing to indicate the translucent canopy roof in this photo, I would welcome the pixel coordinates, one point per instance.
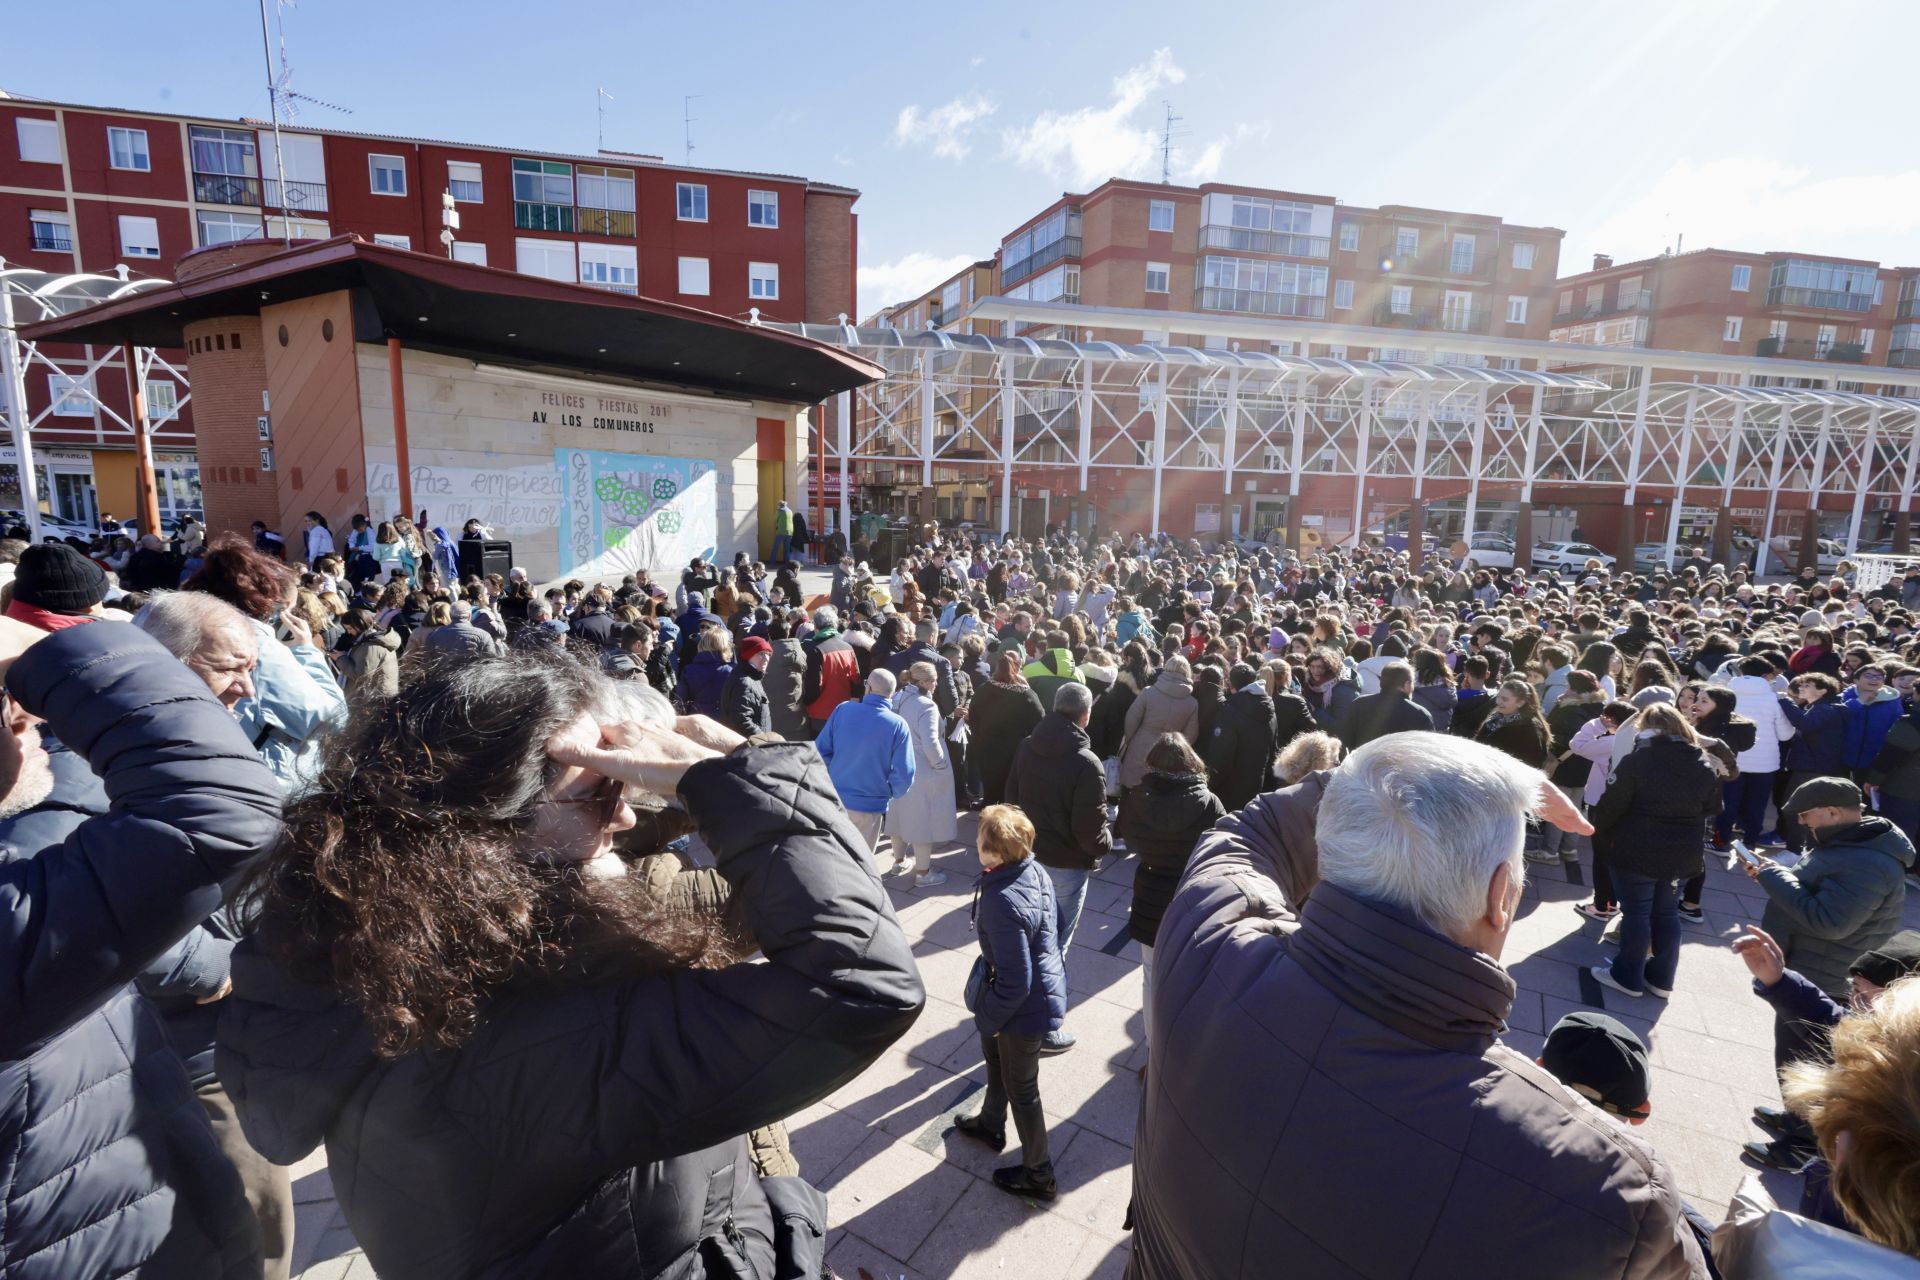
(42, 295)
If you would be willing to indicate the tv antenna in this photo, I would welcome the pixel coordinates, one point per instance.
(687, 118)
(282, 89)
(601, 100)
(1167, 135)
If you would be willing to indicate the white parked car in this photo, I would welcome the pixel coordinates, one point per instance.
(1569, 557)
(1486, 550)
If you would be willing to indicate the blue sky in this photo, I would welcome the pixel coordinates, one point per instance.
(1756, 124)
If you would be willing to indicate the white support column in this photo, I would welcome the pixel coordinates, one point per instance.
(1299, 452)
(1007, 446)
(1361, 444)
(1639, 435)
(1865, 477)
(1159, 438)
(1533, 444)
(1230, 443)
(1820, 459)
(1086, 416)
(1773, 487)
(1680, 474)
(926, 429)
(1913, 466)
(1477, 451)
(843, 413)
(15, 374)
(1733, 454)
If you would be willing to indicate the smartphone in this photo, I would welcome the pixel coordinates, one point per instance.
(1744, 854)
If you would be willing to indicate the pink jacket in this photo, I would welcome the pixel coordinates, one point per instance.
(1594, 741)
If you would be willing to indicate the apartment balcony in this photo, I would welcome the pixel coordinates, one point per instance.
(1613, 304)
(1248, 240)
(530, 216)
(1805, 349)
(1904, 358)
(1255, 302)
(226, 188)
(605, 222)
(1908, 309)
(301, 197)
(1819, 299)
(45, 243)
(1448, 319)
(1040, 259)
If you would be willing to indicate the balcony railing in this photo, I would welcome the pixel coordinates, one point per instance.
(1256, 302)
(605, 222)
(52, 244)
(1613, 304)
(226, 188)
(1040, 259)
(1820, 299)
(1249, 240)
(1904, 357)
(529, 216)
(1450, 319)
(1807, 349)
(302, 197)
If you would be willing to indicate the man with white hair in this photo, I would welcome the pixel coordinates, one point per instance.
(1328, 1093)
(460, 636)
(833, 670)
(215, 640)
(869, 755)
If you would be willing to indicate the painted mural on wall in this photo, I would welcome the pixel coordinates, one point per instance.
(625, 512)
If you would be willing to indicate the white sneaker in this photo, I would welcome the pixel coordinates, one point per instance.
(1603, 975)
(929, 878)
(900, 866)
(1659, 993)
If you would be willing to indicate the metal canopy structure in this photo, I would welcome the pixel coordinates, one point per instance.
(30, 296)
(972, 403)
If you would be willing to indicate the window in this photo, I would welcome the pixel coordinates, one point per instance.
(219, 226)
(763, 279)
(1566, 302)
(610, 189)
(1158, 276)
(551, 259)
(1522, 256)
(1731, 333)
(763, 208)
(394, 242)
(1879, 290)
(1824, 338)
(1801, 282)
(1343, 295)
(610, 266)
(1516, 309)
(463, 181)
(954, 297)
(693, 271)
(163, 401)
(470, 251)
(1350, 236)
(1742, 278)
(1160, 215)
(70, 395)
(1866, 342)
(1461, 261)
(52, 232)
(388, 175)
(39, 140)
(1406, 243)
(1401, 301)
(284, 228)
(692, 202)
(139, 237)
(1777, 329)
(542, 182)
(1338, 351)
(127, 149)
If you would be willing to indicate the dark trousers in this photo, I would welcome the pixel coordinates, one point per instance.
(1649, 931)
(1013, 1081)
(268, 1189)
(1745, 798)
(1602, 874)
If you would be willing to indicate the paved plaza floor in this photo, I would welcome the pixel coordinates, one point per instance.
(910, 1196)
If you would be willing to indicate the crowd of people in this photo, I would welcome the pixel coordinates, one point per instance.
(542, 907)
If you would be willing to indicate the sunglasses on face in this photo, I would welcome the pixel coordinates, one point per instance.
(602, 802)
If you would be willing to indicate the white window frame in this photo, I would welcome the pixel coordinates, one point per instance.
(1165, 271)
(690, 202)
(393, 241)
(1523, 249)
(549, 253)
(1155, 208)
(759, 200)
(1349, 233)
(1866, 342)
(613, 189)
(1516, 308)
(374, 169)
(1343, 295)
(37, 138)
(1472, 244)
(228, 218)
(1406, 243)
(478, 182)
(694, 277)
(162, 400)
(62, 400)
(763, 281)
(1730, 331)
(614, 267)
(471, 251)
(281, 227)
(1742, 280)
(1777, 329)
(138, 247)
(1400, 300)
(142, 155)
(49, 218)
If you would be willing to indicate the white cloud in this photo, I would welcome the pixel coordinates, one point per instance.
(943, 129)
(882, 284)
(1088, 145)
(1756, 204)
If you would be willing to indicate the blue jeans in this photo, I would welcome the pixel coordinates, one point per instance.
(782, 544)
(1649, 922)
(1069, 899)
(1744, 798)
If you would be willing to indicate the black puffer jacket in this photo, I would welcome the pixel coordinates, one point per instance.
(1062, 787)
(594, 1131)
(744, 707)
(1654, 810)
(107, 1164)
(1239, 751)
(1162, 821)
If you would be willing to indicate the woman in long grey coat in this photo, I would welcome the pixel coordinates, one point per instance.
(1167, 706)
(924, 816)
(785, 673)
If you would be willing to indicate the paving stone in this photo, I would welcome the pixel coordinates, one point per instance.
(892, 1194)
(1095, 1176)
(822, 1138)
(853, 1258)
(990, 1235)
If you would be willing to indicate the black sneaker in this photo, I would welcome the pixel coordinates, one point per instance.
(1784, 1154)
(1781, 1122)
(1057, 1042)
(1691, 913)
(979, 1132)
(1031, 1184)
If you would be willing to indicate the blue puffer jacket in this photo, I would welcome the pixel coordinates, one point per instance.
(1820, 745)
(703, 681)
(107, 1164)
(1867, 724)
(1019, 936)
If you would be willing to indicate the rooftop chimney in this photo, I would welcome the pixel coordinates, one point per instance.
(1601, 261)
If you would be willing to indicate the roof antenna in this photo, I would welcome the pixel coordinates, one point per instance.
(1166, 144)
(601, 101)
(687, 118)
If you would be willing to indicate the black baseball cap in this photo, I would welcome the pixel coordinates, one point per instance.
(1602, 1060)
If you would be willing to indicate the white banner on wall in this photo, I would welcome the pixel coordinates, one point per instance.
(508, 500)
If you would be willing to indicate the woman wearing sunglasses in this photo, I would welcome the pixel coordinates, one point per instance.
(522, 1061)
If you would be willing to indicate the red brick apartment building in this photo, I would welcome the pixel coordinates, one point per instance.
(86, 188)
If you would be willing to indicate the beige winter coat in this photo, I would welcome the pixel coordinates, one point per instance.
(1167, 706)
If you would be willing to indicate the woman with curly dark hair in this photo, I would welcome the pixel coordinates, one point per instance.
(521, 1061)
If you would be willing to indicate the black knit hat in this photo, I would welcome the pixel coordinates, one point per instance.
(1891, 961)
(58, 578)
